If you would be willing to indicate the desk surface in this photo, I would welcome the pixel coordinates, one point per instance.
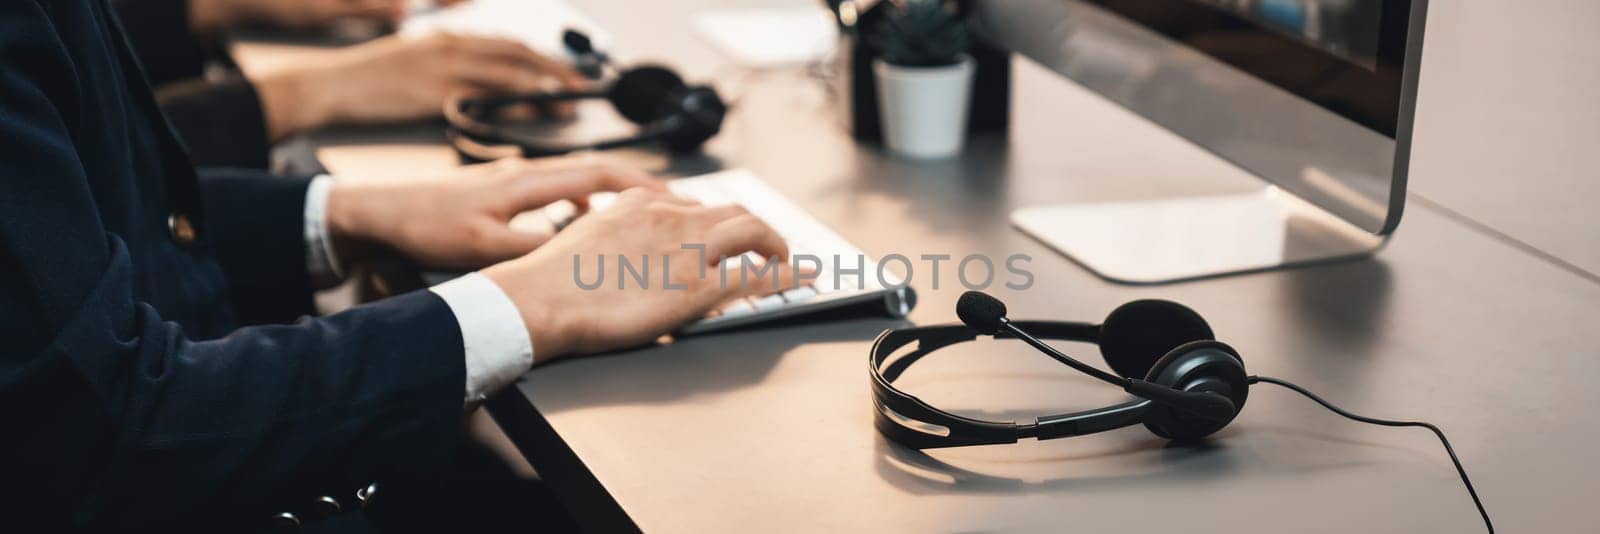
(771, 430)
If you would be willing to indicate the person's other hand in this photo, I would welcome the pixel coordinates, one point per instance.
(459, 221)
(401, 78)
(207, 16)
(564, 318)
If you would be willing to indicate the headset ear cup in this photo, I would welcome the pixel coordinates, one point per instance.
(1138, 333)
(691, 116)
(1197, 366)
(639, 94)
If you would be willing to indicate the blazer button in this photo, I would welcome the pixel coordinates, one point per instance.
(366, 495)
(182, 230)
(286, 520)
(327, 506)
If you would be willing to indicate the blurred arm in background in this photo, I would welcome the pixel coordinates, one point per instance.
(229, 119)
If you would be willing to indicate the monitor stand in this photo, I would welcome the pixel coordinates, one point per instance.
(1178, 239)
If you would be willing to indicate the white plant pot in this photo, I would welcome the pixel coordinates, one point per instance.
(924, 109)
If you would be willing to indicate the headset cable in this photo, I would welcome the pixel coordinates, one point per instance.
(1386, 422)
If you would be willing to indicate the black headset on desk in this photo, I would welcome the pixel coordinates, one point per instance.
(679, 116)
(1186, 384)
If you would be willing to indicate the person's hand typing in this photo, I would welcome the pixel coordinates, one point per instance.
(564, 318)
(459, 220)
(401, 78)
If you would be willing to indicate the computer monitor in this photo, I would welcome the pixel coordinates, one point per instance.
(1314, 97)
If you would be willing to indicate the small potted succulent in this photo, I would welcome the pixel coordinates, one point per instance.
(924, 77)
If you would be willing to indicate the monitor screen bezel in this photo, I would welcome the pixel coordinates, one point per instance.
(1371, 97)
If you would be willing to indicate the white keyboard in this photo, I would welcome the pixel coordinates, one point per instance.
(831, 290)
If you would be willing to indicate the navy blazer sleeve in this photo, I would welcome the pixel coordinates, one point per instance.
(256, 222)
(220, 121)
(114, 416)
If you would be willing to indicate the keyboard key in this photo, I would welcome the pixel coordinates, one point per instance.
(737, 308)
(800, 294)
(824, 283)
(767, 303)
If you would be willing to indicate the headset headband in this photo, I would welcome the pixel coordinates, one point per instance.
(909, 421)
(479, 140)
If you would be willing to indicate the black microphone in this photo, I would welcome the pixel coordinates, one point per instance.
(576, 41)
(587, 60)
(987, 315)
(981, 312)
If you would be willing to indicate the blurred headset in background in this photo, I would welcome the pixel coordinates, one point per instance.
(669, 112)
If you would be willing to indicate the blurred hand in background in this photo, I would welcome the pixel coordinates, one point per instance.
(400, 78)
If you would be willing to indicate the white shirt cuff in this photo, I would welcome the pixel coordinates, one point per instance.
(321, 261)
(498, 349)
